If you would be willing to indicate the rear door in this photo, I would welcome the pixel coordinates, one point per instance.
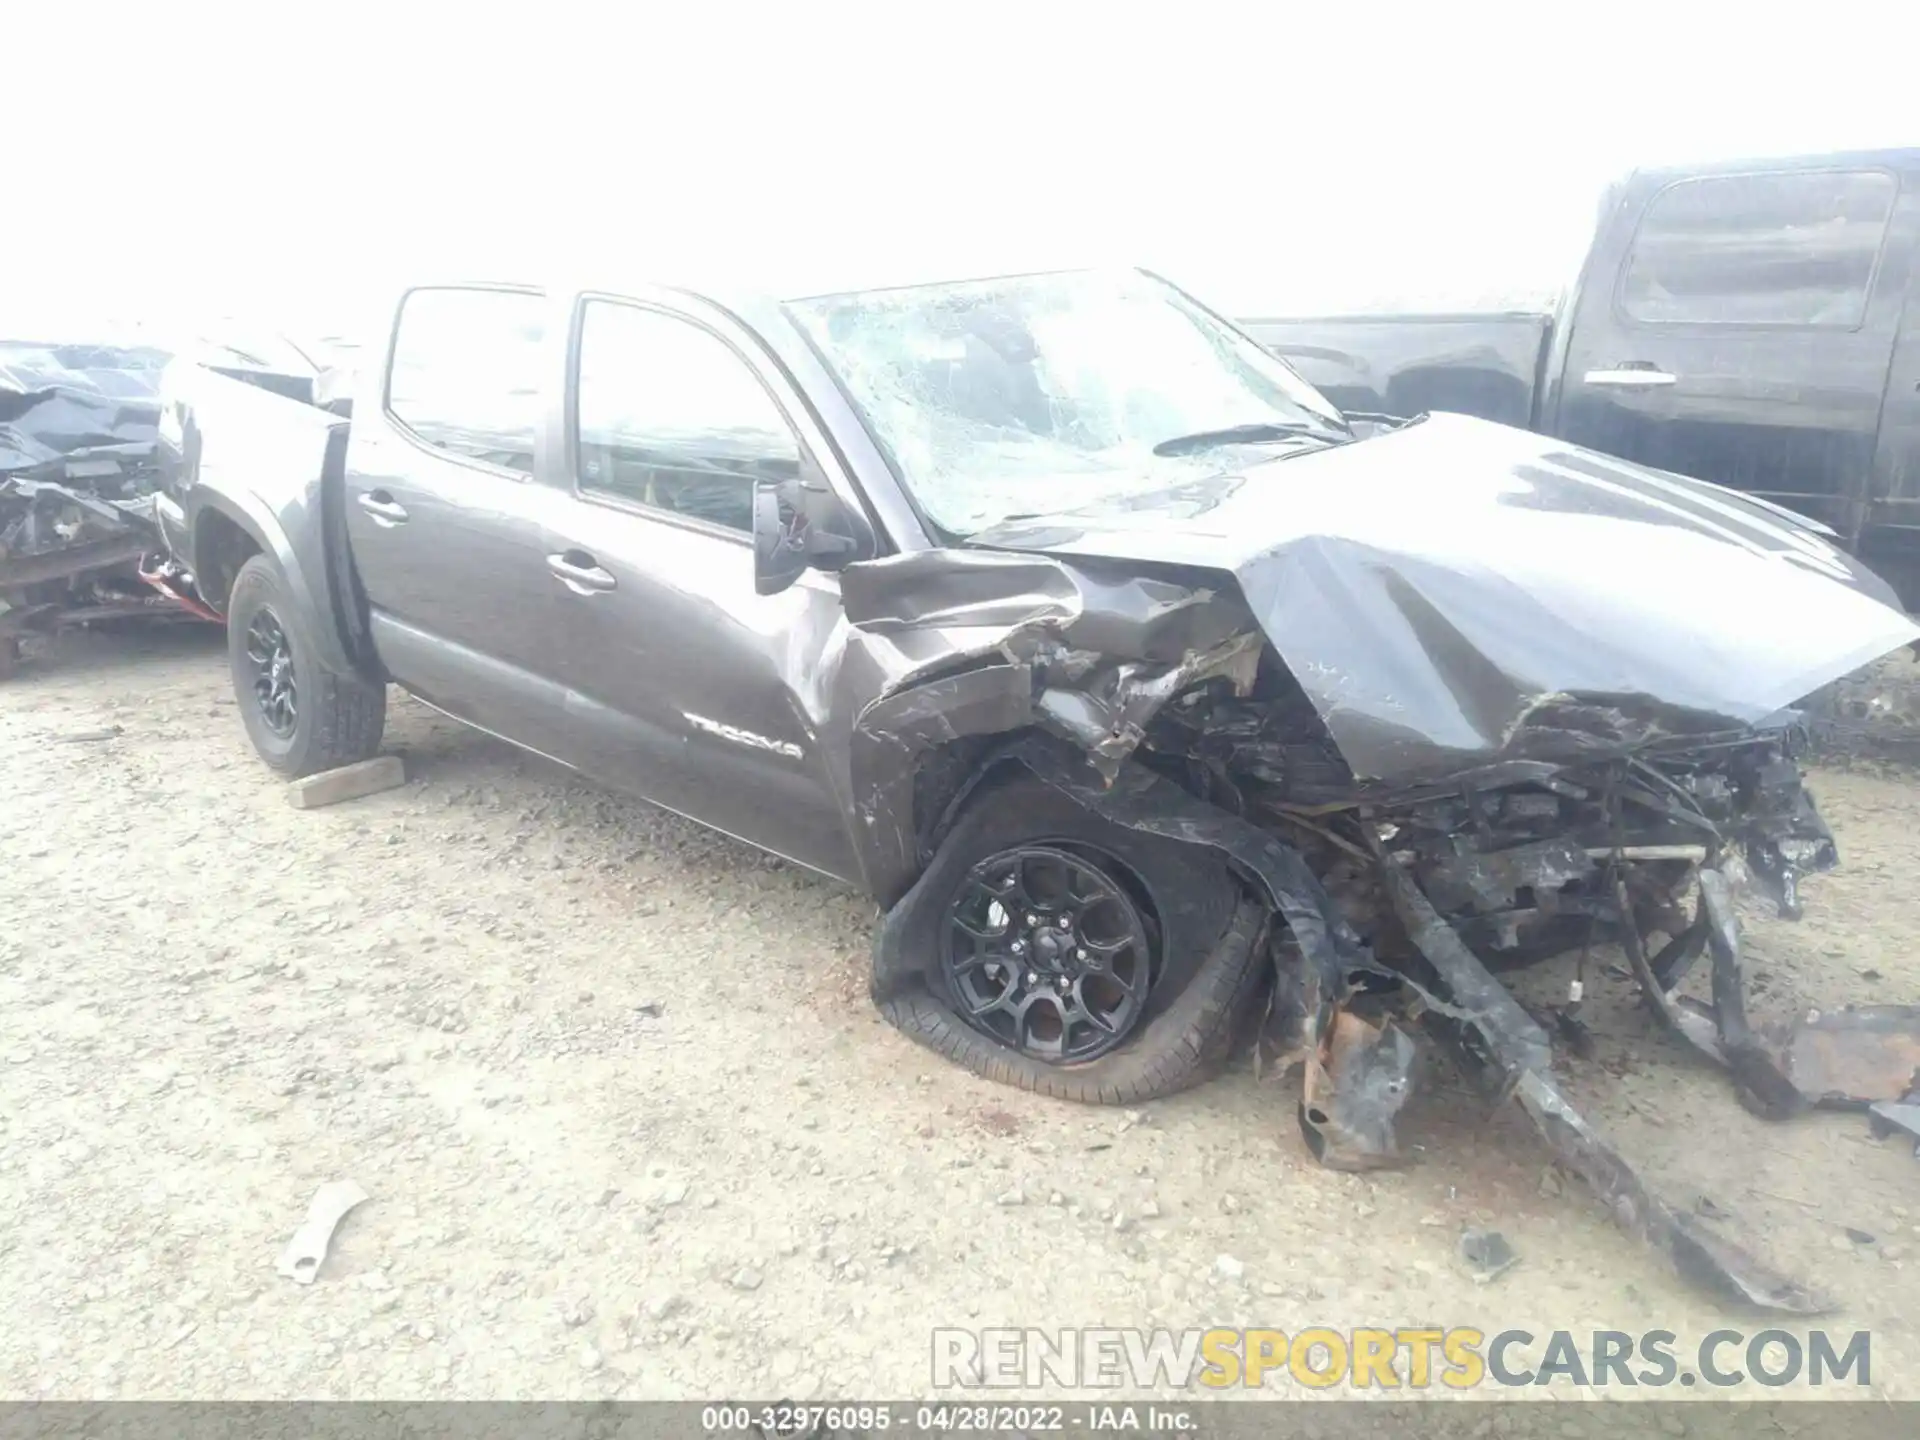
(1738, 328)
(445, 519)
(683, 684)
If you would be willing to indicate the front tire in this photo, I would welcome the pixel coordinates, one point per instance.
(1204, 960)
(301, 717)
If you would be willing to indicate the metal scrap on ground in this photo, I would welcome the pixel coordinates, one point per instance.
(306, 1252)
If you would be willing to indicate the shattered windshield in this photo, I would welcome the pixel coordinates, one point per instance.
(1038, 394)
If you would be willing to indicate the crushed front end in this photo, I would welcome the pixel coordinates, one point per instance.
(1527, 859)
(1398, 903)
(80, 532)
(1428, 891)
(1401, 904)
(1449, 701)
(1446, 698)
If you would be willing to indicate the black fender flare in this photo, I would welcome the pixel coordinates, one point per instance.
(254, 517)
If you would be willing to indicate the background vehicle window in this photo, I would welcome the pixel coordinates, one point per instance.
(1780, 249)
(668, 415)
(466, 371)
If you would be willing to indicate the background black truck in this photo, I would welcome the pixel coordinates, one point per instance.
(1754, 324)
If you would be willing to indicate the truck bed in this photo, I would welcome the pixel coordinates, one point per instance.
(1490, 365)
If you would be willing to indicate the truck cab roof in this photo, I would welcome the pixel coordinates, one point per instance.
(1902, 159)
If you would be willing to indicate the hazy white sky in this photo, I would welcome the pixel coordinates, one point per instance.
(1271, 157)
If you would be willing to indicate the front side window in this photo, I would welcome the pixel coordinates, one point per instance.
(1791, 248)
(465, 374)
(669, 416)
(1038, 394)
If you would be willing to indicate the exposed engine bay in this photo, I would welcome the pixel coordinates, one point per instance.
(1403, 905)
(1579, 821)
(1525, 859)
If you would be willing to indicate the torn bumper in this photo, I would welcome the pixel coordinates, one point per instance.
(1498, 1031)
(1358, 1071)
(1379, 900)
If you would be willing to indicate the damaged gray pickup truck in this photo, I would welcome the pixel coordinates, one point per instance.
(1154, 701)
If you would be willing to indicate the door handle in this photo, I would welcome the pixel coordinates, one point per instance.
(385, 510)
(580, 572)
(1627, 377)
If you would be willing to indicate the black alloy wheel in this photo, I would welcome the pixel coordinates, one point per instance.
(270, 659)
(1046, 951)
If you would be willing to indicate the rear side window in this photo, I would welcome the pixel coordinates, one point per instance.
(1790, 248)
(669, 416)
(466, 370)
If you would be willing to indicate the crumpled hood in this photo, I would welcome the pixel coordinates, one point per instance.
(1458, 592)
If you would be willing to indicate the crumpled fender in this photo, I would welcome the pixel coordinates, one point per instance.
(978, 644)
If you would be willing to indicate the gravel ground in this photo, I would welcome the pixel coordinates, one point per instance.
(630, 1127)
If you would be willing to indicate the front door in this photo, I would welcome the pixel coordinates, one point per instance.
(683, 685)
(1744, 334)
(444, 517)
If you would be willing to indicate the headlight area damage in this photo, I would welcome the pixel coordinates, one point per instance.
(1411, 817)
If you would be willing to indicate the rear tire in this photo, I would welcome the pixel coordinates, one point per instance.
(301, 717)
(1211, 968)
